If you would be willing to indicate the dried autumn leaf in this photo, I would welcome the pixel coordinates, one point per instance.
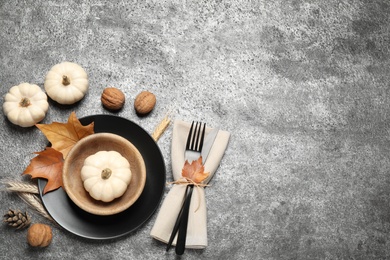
(194, 171)
(63, 136)
(48, 165)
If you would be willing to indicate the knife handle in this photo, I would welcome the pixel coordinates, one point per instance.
(181, 237)
(177, 223)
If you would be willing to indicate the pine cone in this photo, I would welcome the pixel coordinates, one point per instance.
(17, 219)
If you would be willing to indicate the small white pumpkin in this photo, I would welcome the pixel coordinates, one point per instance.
(25, 105)
(106, 175)
(66, 83)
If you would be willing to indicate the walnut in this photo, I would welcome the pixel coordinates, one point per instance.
(144, 102)
(39, 235)
(113, 98)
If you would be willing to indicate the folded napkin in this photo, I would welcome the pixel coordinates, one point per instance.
(197, 219)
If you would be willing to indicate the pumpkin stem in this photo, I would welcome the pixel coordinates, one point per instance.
(65, 80)
(106, 173)
(24, 102)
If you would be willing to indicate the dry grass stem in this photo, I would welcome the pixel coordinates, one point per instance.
(19, 186)
(34, 202)
(160, 129)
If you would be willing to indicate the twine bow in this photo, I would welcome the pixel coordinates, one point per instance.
(188, 181)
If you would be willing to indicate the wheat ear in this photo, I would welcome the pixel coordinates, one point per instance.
(19, 186)
(34, 202)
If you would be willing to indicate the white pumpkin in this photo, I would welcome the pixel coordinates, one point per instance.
(25, 105)
(106, 175)
(66, 83)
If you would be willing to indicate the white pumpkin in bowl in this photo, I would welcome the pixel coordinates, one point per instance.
(106, 175)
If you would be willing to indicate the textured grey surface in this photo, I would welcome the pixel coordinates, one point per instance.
(303, 87)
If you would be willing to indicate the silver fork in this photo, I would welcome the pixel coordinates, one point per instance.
(193, 150)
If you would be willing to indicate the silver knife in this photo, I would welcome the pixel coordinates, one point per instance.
(208, 143)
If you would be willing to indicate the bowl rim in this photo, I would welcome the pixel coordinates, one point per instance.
(121, 207)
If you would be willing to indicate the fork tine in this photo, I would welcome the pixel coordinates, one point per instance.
(195, 139)
(189, 136)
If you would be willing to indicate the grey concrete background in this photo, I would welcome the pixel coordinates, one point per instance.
(303, 87)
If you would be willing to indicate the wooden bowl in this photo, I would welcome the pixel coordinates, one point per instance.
(89, 145)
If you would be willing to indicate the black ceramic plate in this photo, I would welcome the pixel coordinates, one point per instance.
(87, 225)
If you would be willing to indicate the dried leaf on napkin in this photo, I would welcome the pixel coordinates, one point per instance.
(194, 171)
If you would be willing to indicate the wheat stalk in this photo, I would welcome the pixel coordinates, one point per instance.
(34, 202)
(160, 129)
(27, 192)
(19, 186)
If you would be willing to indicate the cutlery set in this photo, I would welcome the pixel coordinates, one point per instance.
(196, 146)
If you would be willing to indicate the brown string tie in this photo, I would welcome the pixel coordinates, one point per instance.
(187, 181)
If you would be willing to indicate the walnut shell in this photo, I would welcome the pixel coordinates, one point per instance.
(39, 235)
(113, 98)
(144, 102)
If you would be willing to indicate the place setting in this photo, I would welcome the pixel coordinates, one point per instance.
(103, 176)
(181, 220)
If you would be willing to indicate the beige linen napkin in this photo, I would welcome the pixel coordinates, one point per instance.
(197, 219)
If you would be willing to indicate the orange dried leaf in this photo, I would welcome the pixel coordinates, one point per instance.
(194, 171)
(48, 165)
(63, 136)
